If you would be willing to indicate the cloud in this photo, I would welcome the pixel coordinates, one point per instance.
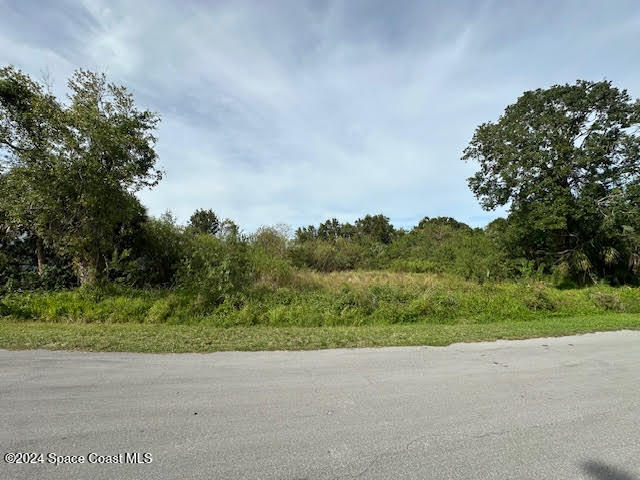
(296, 111)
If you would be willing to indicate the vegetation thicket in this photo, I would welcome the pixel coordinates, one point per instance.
(76, 245)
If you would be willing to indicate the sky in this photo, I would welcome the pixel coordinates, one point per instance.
(297, 111)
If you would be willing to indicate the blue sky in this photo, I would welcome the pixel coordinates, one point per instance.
(293, 112)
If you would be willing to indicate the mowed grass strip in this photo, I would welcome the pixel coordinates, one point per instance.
(205, 338)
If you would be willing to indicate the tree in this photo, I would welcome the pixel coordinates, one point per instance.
(556, 158)
(229, 231)
(306, 234)
(376, 227)
(70, 171)
(204, 221)
(273, 240)
(28, 135)
(330, 230)
(442, 221)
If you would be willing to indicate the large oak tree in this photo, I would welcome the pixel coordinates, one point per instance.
(566, 162)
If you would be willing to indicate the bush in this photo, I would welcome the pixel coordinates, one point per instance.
(270, 264)
(537, 298)
(215, 268)
(19, 268)
(270, 271)
(150, 254)
(608, 301)
(329, 255)
(443, 307)
(272, 240)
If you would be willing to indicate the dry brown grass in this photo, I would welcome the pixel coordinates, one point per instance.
(363, 279)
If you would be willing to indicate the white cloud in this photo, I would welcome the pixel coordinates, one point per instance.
(295, 111)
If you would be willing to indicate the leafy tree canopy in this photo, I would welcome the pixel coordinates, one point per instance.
(204, 221)
(70, 170)
(564, 160)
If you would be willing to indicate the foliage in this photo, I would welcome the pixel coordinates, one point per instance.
(148, 252)
(608, 301)
(328, 256)
(19, 268)
(269, 256)
(274, 241)
(217, 269)
(204, 221)
(315, 300)
(376, 228)
(70, 171)
(566, 161)
(443, 244)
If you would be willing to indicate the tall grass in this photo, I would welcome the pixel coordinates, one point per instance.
(308, 299)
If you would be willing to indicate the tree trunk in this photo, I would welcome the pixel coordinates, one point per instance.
(88, 270)
(40, 255)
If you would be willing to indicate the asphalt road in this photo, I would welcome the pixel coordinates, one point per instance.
(563, 408)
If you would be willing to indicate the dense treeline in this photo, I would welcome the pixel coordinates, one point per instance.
(152, 252)
(565, 161)
(215, 256)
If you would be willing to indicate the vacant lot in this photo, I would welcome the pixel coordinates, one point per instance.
(313, 311)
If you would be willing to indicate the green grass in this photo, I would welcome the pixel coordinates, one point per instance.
(321, 300)
(207, 338)
(311, 310)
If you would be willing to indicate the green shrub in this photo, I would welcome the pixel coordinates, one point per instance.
(329, 255)
(536, 297)
(150, 255)
(415, 266)
(608, 301)
(215, 268)
(630, 297)
(441, 307)
(272, 240)
(270, 270)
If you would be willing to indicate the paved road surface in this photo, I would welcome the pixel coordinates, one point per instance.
(564, 408)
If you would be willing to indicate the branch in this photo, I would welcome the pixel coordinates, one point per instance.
(14, 147)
